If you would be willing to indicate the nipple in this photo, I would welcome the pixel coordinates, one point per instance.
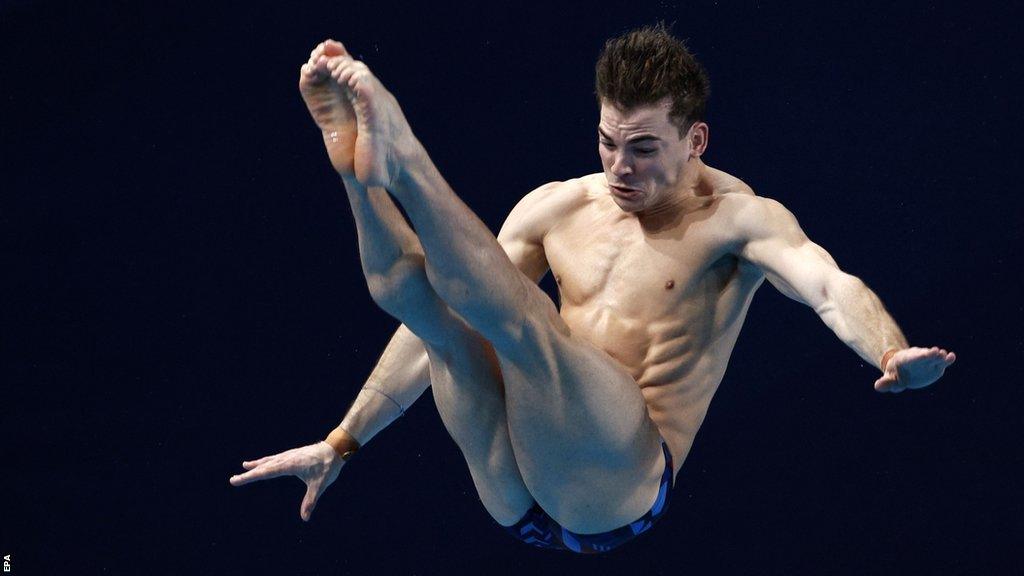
(670, 284)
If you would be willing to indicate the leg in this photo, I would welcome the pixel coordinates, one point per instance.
(464, 374)
(586, 448)
(465, 378)
(584, 442)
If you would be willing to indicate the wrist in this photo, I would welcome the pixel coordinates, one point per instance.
(343, 443)
(886, 357)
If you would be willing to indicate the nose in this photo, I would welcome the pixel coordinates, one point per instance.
(621, 165)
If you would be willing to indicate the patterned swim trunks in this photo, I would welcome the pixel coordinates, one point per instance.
(539, 529)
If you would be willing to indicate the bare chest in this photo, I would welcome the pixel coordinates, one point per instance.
(612, 266)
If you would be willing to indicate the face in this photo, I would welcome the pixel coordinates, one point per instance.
(644, 159)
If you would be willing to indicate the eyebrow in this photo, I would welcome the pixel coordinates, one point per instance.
(634, 140)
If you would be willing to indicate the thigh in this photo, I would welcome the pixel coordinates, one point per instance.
(577, 426)
(467, 387)
(585, 444)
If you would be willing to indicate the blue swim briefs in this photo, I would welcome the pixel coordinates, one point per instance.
(539, 529)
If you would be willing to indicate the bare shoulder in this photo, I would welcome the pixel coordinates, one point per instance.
(725, 184)
(747, 217)
(753, 216)
(731, 197)
(544, 207)
(564, 195)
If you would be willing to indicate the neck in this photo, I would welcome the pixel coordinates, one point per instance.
(692, 184)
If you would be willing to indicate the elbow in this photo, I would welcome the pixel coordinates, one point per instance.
(839, 287)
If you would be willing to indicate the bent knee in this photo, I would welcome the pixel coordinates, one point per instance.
(405, 293)
(401, 286)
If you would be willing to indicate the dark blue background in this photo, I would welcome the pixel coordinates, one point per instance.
(181, 288)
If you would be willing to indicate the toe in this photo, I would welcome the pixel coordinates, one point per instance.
(334, 62)
(316, 52)
(334, 48)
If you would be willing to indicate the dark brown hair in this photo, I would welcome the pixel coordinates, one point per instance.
(647, 64)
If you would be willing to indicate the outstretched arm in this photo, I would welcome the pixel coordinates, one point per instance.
(400, 377)
(805, 272)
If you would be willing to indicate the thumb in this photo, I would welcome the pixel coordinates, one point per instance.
(309, 502)
(885, 383)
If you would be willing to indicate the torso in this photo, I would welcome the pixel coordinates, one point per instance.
(668, 303)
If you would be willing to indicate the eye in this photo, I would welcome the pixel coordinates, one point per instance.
(646, 151)
(607, 144)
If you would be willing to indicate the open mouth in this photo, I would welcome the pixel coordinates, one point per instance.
(624, 192)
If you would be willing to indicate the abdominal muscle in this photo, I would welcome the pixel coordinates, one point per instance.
(668, 307)
(677, 358)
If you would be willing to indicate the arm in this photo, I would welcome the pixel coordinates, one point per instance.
(522, 234)
(805, 272)
(398, 380)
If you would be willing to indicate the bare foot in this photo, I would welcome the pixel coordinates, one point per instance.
(329, 106)
(364, 129)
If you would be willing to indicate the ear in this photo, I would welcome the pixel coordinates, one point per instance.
(698, 136)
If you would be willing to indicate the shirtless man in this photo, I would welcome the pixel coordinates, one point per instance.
(573, 421)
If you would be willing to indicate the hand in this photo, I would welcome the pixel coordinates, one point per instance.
(914, 368)
(317, 465)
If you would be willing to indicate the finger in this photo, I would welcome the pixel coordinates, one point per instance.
(261, 473)
(894, 386)
(890, 382)
(950, 358)
(249, 464)
(309, 502)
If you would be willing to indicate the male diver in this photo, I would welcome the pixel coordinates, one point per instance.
(573, 421)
